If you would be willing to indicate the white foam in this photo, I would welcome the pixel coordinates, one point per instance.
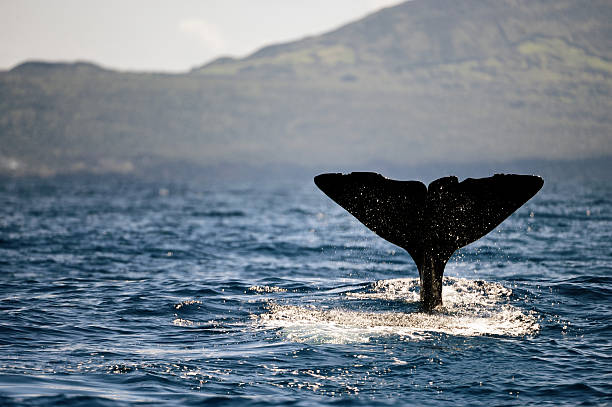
(471, 308)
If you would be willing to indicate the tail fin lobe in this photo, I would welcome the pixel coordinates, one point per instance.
(445, 216)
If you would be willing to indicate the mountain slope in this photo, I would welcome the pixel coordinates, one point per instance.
(434, 32)
(438, 81)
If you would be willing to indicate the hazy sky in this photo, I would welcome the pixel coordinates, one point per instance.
(162, 35)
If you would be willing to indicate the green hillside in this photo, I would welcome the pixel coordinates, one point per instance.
(427, 81)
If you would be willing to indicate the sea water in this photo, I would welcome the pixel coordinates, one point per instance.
(115, 291)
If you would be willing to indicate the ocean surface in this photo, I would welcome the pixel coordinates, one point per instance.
(121, 292)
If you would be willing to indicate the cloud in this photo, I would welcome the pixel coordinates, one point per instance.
(208, 34)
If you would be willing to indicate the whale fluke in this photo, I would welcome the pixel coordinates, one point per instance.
(430, 223)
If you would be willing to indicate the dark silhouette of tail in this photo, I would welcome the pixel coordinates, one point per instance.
(430, 223)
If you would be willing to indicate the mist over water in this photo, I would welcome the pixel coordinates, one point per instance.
(115, 291)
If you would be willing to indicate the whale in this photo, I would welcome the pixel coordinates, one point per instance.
(429, 222)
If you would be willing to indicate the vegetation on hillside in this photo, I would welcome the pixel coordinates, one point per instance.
(422, 82)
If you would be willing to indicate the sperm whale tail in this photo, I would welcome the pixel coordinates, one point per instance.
(430, 223)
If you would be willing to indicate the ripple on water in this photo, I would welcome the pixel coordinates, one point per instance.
(471, 308)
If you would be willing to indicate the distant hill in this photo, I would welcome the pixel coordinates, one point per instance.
(425, 82)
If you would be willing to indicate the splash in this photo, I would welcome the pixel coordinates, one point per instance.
(471, 308)
(186, 303)
(267, 289)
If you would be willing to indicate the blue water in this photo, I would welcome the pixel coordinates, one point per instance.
(120, 292)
